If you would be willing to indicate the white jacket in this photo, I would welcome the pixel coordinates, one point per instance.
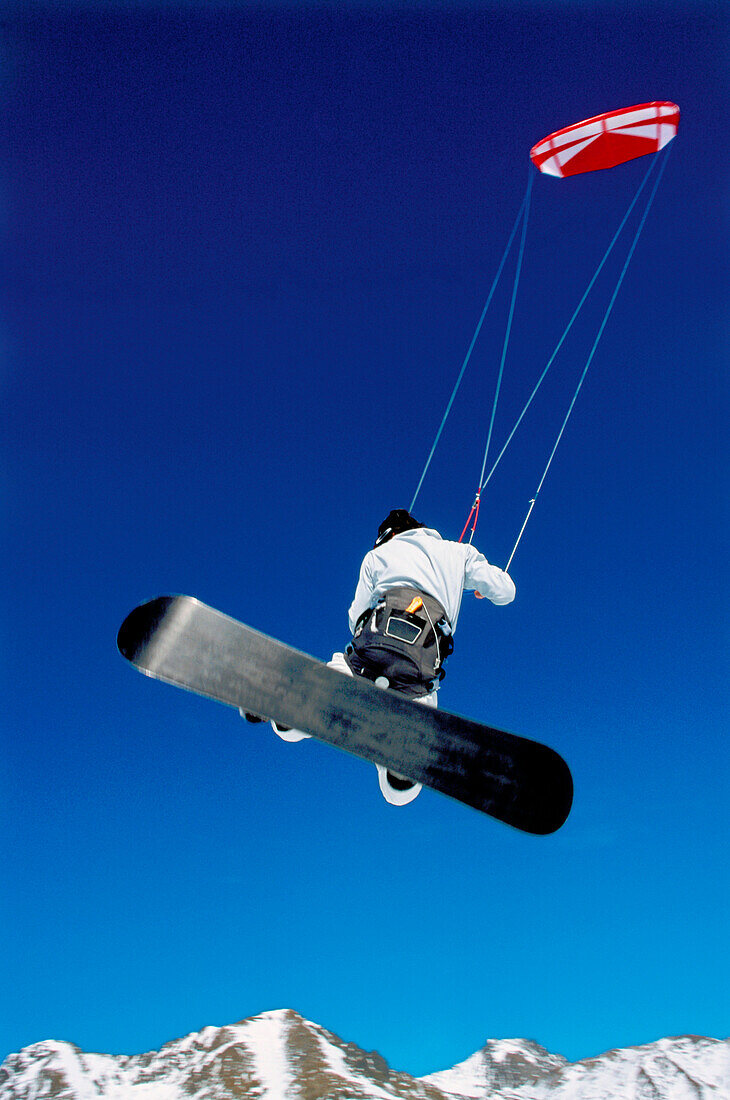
(421, 559)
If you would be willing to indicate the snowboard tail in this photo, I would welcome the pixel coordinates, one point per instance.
(181, 641)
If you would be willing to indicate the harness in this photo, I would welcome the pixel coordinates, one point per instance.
(405, 638)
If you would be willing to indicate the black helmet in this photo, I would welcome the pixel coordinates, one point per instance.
(394, 524)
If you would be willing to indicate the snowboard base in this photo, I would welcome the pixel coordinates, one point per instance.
(184, 642)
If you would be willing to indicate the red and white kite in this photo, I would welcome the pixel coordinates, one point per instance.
(607, 140)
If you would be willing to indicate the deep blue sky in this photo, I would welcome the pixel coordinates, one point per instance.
(244, 253)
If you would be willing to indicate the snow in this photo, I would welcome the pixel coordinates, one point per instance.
(504, 1048)
(685, 1068)
(467, 1079)
(152, 1090)
(265, 1036)
(337, 1063)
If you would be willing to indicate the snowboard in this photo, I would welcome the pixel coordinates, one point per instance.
(184, 642)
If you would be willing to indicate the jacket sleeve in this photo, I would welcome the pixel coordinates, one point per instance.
(363, 593)
(488, 580)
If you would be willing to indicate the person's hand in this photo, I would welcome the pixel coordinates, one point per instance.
(479, 596)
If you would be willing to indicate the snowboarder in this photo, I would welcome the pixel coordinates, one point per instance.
(404, 614)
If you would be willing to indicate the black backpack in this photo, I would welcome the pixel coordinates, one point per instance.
(405, 638)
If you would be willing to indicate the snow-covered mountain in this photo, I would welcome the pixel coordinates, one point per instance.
(281, 1056)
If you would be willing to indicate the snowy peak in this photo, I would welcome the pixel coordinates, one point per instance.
(502, 1064)
(281, 1056)
(687, 1068)
(297, 1058)
(273, 1056)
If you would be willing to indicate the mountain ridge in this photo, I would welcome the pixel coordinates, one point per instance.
(279, 1055)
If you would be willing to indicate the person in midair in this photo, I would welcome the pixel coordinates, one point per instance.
(404, 614)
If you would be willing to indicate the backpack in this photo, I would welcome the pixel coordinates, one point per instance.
(405, 638)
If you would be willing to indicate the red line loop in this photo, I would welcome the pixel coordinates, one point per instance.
(474, 512)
